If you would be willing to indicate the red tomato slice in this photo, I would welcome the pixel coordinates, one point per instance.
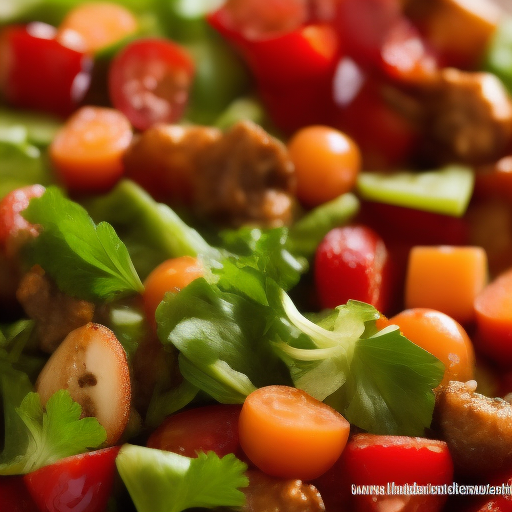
(82, 482)
(41, 73)
(381, 460)
(149, 81)
(209, 428)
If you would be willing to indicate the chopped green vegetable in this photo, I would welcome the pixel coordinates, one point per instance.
(86, 260)
(152, 231)
(446, 191)
(307, 232)
(21, 163)
(40, 128)
(48, 435)
(498, 58)
(241, 109)
(161, 481)
(380, 381)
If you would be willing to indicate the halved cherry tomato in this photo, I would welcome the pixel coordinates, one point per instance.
(87, 152)
(41, 73)
(14, 229)
(352, 262)
(82, 482)
(149, 81)
(210, 428)
(443, 337)
(287, 433)
(170, 276)
(326, 161)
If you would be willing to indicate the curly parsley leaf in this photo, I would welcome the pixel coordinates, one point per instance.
(161, 481)
(86, 260)
(379, 380)
(47, 435)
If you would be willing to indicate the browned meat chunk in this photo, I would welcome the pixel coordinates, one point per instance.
(477, 429)
(247, 177)
(241, 177)
(467, 117)
(269, 494)
(54, 313)
(164, 160)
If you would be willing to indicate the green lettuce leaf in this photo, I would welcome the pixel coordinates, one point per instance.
(86, 260)
(379, 380)
(221, 336)
(161, 481)
(47, 435)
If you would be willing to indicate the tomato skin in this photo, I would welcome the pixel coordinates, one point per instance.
(209, 428)
(41, 73)
(82, 482)
(13, 227)
(378, 460)
(326, 161)
(352, 262)
(443, 337)
(149, 81)
(14, 496)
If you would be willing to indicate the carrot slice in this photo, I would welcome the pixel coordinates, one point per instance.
(87, 152)
(493, 311)
(287, 433)
(96, 25)
(446, 278)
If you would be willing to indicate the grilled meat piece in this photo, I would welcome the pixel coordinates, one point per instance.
(477, 429)
(269, 494)
(55, 313)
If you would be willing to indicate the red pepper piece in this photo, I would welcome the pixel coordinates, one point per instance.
(41, 73)
(82, 482)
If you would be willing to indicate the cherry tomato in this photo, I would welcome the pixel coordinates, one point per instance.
(326, 161)
(14, 229)
(289, 434)
(210, 428)
(82, 482)
(352, 262)
(149, 81)
(443, 337)
(41, 73)
(170, 276)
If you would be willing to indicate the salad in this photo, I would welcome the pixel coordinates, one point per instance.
(255, 256)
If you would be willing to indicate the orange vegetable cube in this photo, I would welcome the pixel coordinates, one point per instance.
(446, 278)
